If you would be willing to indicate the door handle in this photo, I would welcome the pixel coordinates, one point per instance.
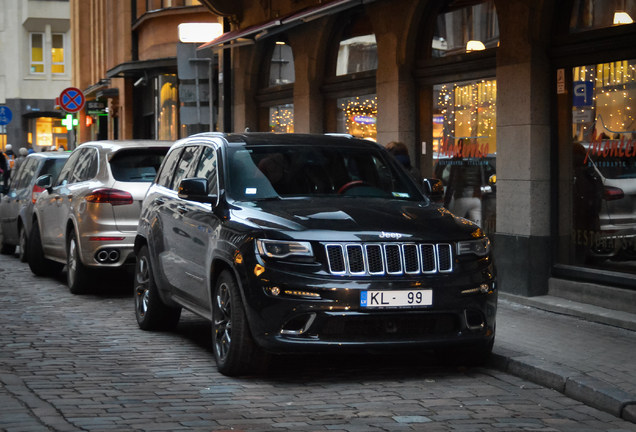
(159, 201)
(182, 209)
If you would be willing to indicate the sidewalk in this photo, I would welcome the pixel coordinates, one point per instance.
(566, 350)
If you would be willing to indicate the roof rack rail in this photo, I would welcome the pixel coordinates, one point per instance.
(218, 134)
(343, 135)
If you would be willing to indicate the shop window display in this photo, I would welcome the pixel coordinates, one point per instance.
(357, 115)
(460, 28)
(281, 118)
(603, 206)
(595, 14)
(465, 148)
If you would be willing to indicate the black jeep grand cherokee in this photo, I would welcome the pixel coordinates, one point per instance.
(308, 243)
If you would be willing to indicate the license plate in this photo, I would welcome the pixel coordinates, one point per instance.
(401, 298)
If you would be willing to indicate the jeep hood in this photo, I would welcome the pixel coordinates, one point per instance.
(355, 219)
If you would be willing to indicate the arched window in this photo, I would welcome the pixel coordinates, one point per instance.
(350, 89)
(458, 80)
(276, 88)
(595, 14)
(460, 29)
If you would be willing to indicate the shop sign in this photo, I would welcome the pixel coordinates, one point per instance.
(612, 148)
(95, 107)
(582, 116)
(583, 94)
(362, 119)
(466, 150)
(560, 81)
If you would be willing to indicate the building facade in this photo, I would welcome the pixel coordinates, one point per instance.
(524, 109)
(35, 45)
(126, 65)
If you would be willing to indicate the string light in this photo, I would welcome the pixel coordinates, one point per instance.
(360, 115)
(281, 118)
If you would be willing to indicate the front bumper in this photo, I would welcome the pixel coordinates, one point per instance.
(322, 314)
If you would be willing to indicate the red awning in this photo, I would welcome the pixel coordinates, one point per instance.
(259, 31)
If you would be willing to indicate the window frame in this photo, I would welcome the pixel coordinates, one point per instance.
(63, 63)
(33, 62)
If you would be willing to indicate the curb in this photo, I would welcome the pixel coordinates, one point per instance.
(570, 382)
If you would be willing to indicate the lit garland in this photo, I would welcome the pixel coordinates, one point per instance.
(360, 116)
(613, 84)
(281, 118)
(469, 110)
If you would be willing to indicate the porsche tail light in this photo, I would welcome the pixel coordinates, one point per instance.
(110, 196)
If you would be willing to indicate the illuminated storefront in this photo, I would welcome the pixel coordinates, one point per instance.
(597, 148)
(358, 116)
(48, 134)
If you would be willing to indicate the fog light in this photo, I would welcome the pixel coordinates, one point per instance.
(275, 291)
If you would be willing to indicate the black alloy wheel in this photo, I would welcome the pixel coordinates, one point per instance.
(235, 351)
(150, 311)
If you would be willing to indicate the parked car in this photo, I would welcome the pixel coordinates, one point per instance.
(308, 243)
(87, 217)
(16, 207)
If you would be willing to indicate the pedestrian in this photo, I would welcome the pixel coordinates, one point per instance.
(7, 164)
(401, 153)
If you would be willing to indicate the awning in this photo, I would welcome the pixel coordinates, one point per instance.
(134, 69)
(249, 35)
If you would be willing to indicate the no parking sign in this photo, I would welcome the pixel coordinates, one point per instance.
(72, 100)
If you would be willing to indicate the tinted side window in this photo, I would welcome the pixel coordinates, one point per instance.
(167, 169)
(65, 174)
(86, 167)
(185, 165)
(22, 179)
(140, 165)
(207, 169)
(53, 167)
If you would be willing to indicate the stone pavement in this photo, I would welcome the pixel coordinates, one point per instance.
(590, 362)
(79, 363)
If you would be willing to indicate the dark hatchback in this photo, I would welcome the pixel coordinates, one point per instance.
(16, 207)
(308, 243)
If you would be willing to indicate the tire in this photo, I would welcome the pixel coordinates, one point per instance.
(235, 351)
(23, 245)
(151, 312)
(5, 249)
(39, 265)
(78, 276)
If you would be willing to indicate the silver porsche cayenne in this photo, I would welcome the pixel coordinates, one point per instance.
(87, 217)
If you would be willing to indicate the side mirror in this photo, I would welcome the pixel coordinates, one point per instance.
(45, 181)
(196, 189)
(434, 189)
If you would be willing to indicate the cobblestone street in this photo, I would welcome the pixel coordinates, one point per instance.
(81, 363)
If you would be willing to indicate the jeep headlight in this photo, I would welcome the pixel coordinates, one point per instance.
(283, 249)
(479, 247)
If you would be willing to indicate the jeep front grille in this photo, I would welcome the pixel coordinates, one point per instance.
(389, 258)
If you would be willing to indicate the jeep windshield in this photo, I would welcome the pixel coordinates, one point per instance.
(284, 171)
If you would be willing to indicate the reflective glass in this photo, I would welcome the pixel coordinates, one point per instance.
(281, 118)
(601, 216)
(273, 171)
(594, 14)
(357, 115)
(281, 69)
(357, 51)
(466, 29)
(465, 148)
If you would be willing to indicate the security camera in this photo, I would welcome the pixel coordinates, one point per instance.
(140, 81)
